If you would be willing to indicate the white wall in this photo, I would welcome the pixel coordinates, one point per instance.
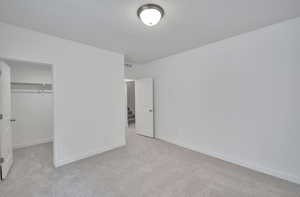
(237, 99)
(88, 91)
(33, 111)
(34, 115)
(27, 72)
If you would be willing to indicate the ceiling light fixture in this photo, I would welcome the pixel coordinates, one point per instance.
(150, 14)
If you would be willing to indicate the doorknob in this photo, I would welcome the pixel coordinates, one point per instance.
(150, 110)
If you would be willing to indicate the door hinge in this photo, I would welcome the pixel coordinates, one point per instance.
(1, 160)
(1, 116)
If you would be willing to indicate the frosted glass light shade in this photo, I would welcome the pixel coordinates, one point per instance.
(150, 14)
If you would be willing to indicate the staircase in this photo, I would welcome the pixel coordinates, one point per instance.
(130, 116)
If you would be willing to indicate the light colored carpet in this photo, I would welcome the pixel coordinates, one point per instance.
(144, 168)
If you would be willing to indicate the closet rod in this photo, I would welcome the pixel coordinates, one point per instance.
(25, 83)
(32, 91)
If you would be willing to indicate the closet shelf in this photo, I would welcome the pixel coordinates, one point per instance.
(32, 91)
(24, 87)
(27, 83)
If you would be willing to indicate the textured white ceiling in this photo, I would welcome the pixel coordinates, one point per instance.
(113, 24)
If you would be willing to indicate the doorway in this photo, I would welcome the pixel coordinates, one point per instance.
(31, 106)
(140, 113)
(130, 92)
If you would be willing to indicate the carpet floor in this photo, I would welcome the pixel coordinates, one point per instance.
(144, 168)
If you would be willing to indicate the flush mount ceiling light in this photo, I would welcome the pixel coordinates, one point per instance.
(150, 14)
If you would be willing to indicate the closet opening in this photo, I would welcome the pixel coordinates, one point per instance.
(27, 101)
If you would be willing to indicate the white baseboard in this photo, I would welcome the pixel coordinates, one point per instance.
(84, 155)
(249, 165)
(33, 143)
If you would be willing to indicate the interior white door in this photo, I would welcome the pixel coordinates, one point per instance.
(144, 107)
(6, 151)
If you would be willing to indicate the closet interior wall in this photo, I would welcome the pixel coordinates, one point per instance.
(32, 103)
